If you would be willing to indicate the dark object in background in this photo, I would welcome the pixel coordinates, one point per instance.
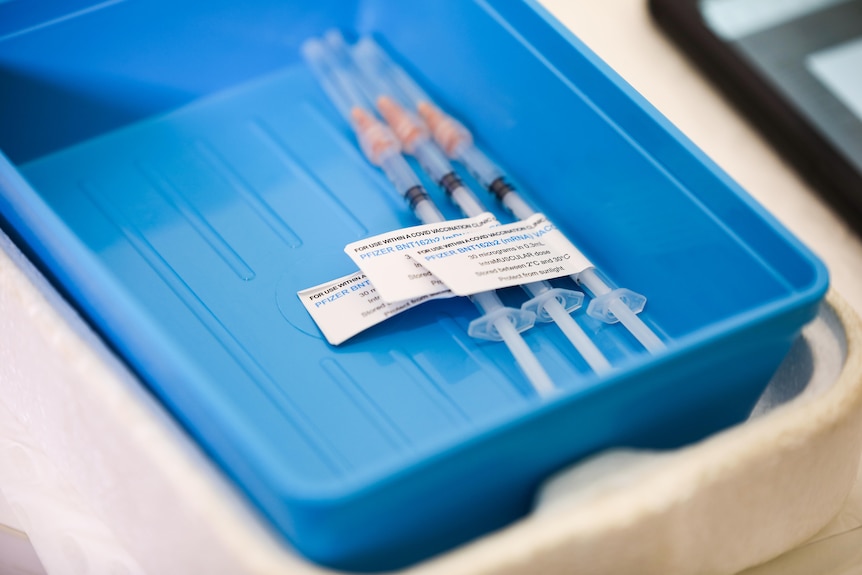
(795, 68)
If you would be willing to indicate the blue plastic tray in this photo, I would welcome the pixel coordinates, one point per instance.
(178, 173)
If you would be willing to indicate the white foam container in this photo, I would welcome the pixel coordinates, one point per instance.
(103, 481)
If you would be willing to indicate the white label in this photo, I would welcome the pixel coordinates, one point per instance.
(347, 306)
(502, 256)
(384, 258)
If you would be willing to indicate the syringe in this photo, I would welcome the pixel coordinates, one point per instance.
(550, 304)
(609, 304)
(381, 148)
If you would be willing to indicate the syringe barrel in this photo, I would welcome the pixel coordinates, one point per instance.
(492, 179)
(467, 201)
(390, 79)
(359, 88)
(499, 323)
(376, 63)
(432, 160)
(487, 301)
(478, 164)
(441, 171)
(399, 172)
(511, 201)
(404, 179)
(319, 60)
(594, 282)
(426, 211)
(377, 81)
